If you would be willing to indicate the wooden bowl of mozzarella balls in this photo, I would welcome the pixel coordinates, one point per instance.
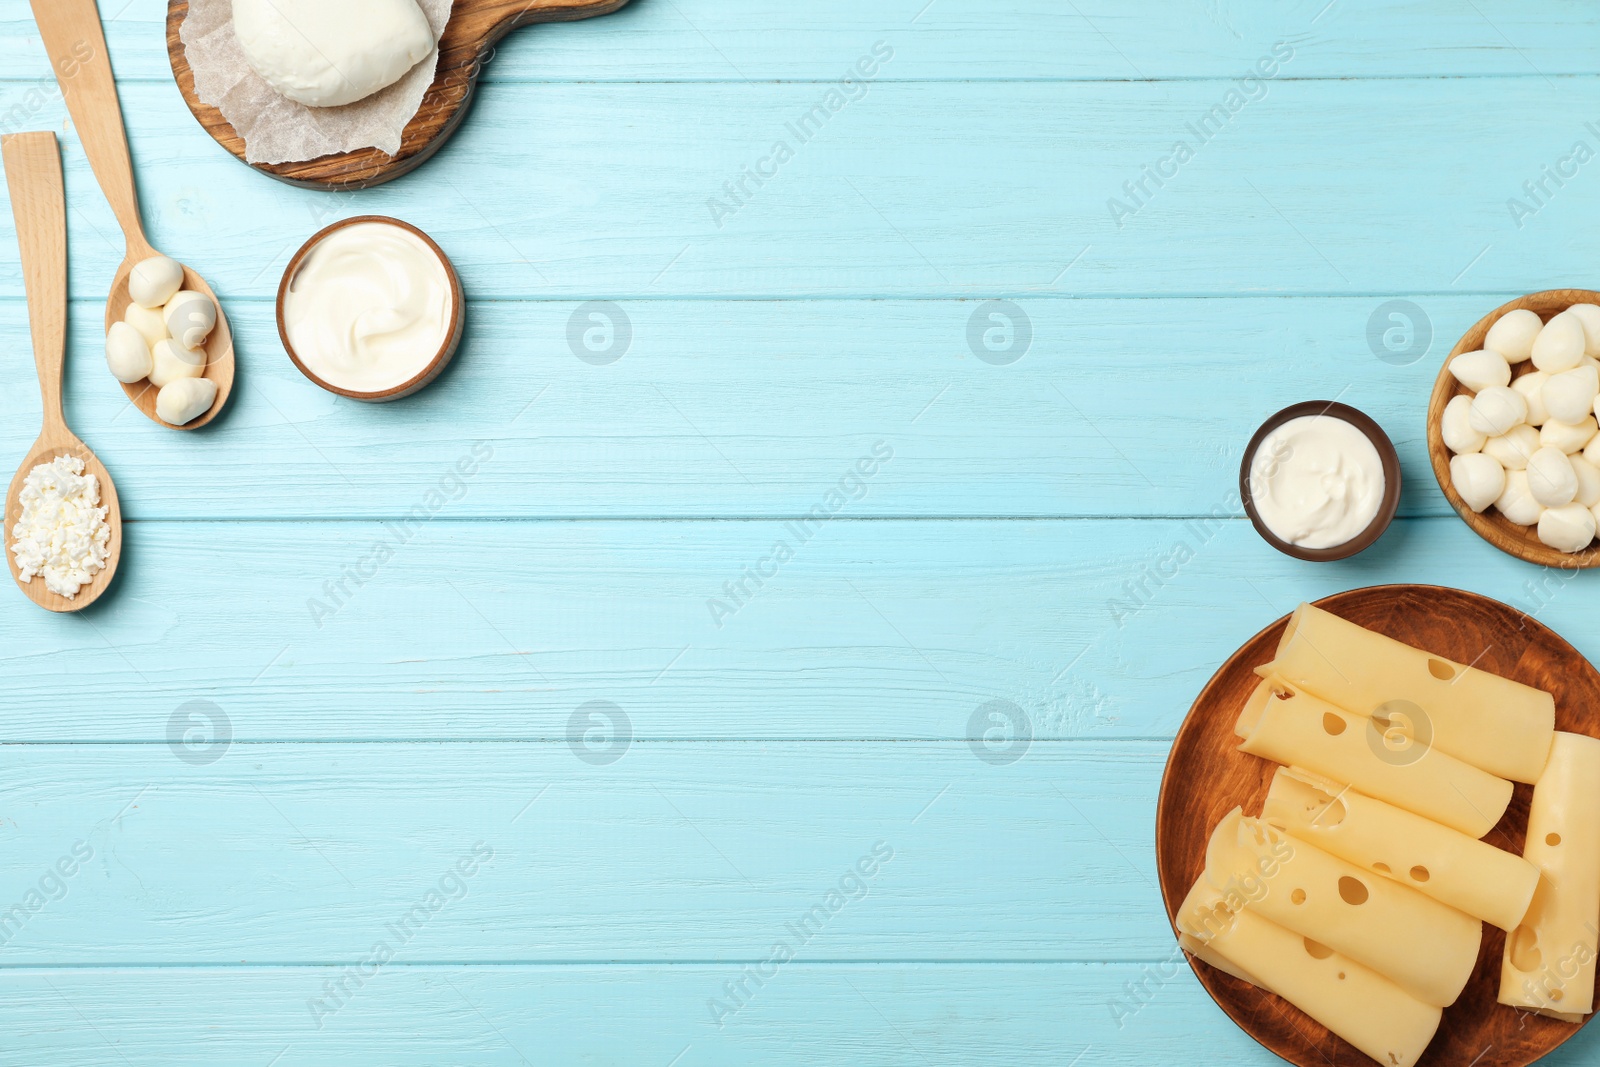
(1512, 430)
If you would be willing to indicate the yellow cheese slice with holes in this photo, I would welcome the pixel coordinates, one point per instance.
(1494, 723)
(1300, 730)
(1549, 963)
(1447, 865)
(1423, 946)
(1355, 1002)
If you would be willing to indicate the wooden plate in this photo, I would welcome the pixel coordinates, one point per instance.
(1520, 541)
(1207, 776)
(475, 27)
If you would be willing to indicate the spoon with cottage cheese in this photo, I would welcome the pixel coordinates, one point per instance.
(63, 527)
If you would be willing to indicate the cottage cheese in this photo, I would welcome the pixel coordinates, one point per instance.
(62, 533)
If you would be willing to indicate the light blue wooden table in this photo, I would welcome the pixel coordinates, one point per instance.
(542, 784)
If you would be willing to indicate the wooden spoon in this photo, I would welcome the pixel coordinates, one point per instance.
(39, 202)
(77, 46)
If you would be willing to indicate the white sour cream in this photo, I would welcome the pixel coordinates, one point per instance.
(1316, 481)
(369, 308)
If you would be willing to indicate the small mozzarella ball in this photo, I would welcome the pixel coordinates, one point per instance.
(1478, 480)
(1570, 437)
(1513, 334)
(1589, 316)
(1514, 448)
(148, 321)
(1570, 395)
(1496, 409)
(1481, 369)
(1516, 503)
(1567, 529)
(186, 399)
(153, 281)
(1459, 436)
(1531, 386)
(190, 317)
(1588, 481)
(172, 361)
(127, 354)
(1559, 345)
(1551, 479)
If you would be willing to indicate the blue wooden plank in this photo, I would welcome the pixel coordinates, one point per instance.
(653, 40)
(978, 190)
(873, 630)
(881, 1015)
(691, 851)
(751, 408)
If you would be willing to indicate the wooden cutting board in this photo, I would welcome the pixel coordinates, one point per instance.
(1207, 776)
(475, 27)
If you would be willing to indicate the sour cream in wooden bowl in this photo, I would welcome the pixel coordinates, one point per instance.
(371, 308)
(1320, 481)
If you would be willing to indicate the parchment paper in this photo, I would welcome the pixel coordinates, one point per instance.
(278, 130)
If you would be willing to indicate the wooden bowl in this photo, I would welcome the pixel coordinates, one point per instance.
(447, 351)
(475, 27)
(1207, 776)
(1520, 541)
(1391, 480)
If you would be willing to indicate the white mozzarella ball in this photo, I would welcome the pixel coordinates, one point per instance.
(1551, 479)
(1459, 436)
(1589, 316)
(1481, 369)
(1559, 345)
(1516, 503)
(1514, 448)
(1513, 333)
(127, 354)
(1531, 386)
(1570, 395)
(1588, 481)
(148, 321)
(153, 281)
(171, 361)
(1496, 409)
(1567, 529)
(1570, 437)
(184, 400)
(190, 318)
(1478, 480)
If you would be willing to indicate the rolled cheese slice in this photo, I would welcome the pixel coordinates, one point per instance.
(1299, 730)
(1490, 722)
(1422, 946)
(1447, 865)
(1549, 963)
(1355, 1002)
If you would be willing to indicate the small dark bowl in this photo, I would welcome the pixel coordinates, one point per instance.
(1391, 480)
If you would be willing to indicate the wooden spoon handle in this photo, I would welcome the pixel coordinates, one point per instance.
(39, 202)
(77, 46)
